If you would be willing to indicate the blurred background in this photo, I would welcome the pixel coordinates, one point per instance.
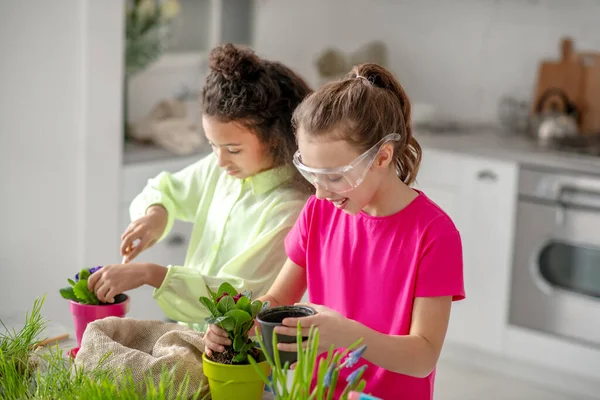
(97, 96)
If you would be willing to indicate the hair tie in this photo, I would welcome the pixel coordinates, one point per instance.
(362, 77)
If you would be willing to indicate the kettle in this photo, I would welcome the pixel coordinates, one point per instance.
(548, 125)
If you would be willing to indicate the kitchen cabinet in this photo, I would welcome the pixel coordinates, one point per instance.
(480, 197)
(438, 179)
(487, 211)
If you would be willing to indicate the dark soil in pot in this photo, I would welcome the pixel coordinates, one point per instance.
(226, 357)
(118, 299)
(273, 317)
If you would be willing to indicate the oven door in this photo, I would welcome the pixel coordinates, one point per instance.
(556, 272)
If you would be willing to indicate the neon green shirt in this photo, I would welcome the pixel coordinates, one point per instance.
(238, 235)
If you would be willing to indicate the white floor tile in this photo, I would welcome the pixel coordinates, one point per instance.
(457, 381)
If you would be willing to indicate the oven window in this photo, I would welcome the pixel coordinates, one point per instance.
(571, 267)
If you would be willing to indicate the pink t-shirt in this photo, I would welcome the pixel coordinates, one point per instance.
(371, 268)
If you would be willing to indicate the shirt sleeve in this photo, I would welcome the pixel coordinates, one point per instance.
(297, 238)
(179, 193)
(440, 271)
(254, 269)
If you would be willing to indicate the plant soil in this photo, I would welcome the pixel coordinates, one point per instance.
(226, 357)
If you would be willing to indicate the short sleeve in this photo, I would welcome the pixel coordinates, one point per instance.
(440, 270)
(296, 241)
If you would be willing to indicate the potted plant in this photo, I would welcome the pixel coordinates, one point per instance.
(147, 32)
(86, 307)
(308, 380)
(272, 317)
(230, 376)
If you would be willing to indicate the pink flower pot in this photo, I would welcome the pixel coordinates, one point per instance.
(83, 314)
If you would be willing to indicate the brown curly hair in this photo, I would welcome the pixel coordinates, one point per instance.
(366, 105)
(259, 94)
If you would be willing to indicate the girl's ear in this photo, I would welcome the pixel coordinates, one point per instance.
(385, 156)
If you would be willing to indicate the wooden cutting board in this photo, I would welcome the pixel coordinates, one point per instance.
(590, 94)
(566, 74)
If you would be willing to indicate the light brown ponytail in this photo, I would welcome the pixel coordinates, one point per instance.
(408, 151)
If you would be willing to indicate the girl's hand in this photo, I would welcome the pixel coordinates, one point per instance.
(143, 233)
(215, 339)
(333, 327)
(112, 280)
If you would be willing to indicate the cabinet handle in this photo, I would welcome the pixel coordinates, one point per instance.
(175, 240)
(487, 175)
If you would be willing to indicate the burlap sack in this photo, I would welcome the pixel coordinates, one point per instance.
(144, 347)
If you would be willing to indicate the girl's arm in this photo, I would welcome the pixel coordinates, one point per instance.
(253, 269)
(415, 354)
(289, 287)
(178, 193)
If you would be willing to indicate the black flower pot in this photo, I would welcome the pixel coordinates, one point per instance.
(273, 317)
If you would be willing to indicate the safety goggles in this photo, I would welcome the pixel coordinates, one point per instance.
(343, 179)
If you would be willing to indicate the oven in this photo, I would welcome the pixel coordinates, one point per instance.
(555, 284)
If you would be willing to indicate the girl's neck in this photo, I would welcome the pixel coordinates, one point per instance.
(392, 196)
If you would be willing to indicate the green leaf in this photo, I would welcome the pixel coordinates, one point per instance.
(247, 347)
(246, 327)
(228, 324)
(84, 274)
(239, 317)
(240, 358)
(265, 306)
(255, 307)
(83, 293)
(210, 306)
(212, 294)
(238, 343)
(226, 304)
(244, 304)
(227, 288)
(68, 293)
(71, 282)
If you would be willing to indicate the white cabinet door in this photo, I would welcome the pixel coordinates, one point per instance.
(171, 250)
(487, 216)
(438, 179)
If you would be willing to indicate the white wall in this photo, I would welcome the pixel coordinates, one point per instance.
(59, 131)
(461, 55)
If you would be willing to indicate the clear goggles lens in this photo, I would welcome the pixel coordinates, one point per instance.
(346, 178)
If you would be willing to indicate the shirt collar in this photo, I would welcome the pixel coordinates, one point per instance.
(265, 181)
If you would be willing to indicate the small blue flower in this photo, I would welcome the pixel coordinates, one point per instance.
(354, 356)
(351, 379)
(91, 270)
(328, 376)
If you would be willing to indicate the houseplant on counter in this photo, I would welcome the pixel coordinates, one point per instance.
(86, 307)
(230, 376)
(311, 381)
(147, 29)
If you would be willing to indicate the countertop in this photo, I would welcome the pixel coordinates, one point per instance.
(493, 142)
(485, 141)
(135, 153)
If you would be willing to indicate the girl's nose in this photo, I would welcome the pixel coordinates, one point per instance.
(222, 159)
(321, 192)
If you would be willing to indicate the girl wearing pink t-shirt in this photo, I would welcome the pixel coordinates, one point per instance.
(380, 260)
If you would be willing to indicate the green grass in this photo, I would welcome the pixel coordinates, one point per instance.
(29, 374)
